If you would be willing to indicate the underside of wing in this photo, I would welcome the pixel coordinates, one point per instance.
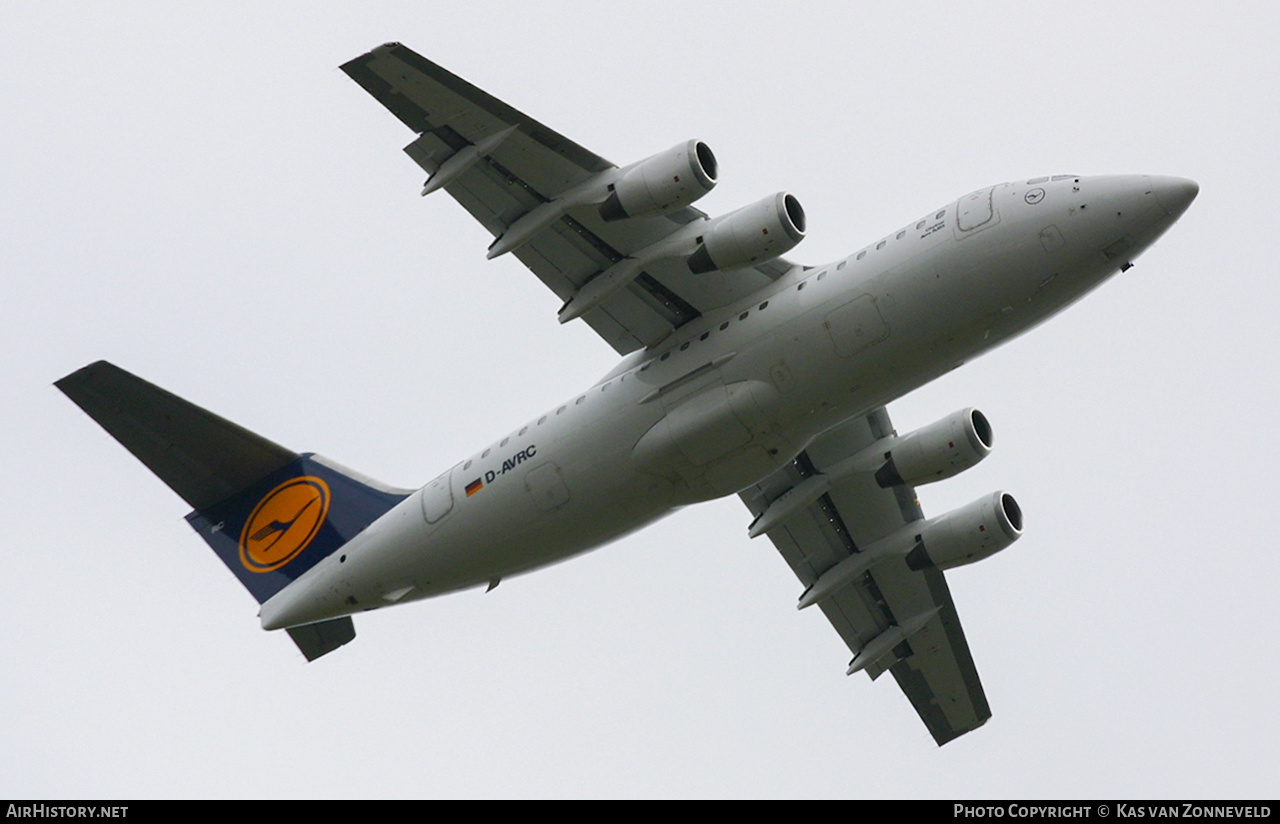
(855, 536)
(542, 196)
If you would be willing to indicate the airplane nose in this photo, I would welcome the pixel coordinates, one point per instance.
(1175, 194)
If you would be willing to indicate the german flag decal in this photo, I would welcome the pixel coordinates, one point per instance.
(474, 487)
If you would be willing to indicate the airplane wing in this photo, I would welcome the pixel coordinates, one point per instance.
(892, 617)
(502, 166)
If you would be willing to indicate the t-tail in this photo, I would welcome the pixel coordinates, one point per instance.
(269, 513)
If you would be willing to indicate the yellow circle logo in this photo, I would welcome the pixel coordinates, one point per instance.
(284, 523)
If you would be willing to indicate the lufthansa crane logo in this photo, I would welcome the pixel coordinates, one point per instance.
(284, 523)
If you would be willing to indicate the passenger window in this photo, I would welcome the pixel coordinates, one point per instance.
(900, 234)
(763, 305)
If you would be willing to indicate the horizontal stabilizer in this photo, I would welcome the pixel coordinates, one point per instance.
(320, 639)
(202, 457)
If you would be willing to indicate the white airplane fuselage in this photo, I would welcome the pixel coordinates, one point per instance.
(736, 394)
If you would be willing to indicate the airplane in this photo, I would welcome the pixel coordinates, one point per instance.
(742, 373)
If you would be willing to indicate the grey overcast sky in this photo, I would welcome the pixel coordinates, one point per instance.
(202, 197)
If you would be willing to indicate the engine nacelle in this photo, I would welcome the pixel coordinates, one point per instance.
(750, 235)
(938, 451)
(970, 533)
(663, 183)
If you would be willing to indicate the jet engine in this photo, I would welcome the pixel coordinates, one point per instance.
(938, 451)
(962, 536)
(663, 183)
(970, 533)
(750, 235)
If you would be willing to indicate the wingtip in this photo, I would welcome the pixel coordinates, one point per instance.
(97, 366)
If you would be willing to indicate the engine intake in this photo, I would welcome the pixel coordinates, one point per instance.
(970, 533)
(750, 235)
(663, 183)
(962, 536)
(938, 451)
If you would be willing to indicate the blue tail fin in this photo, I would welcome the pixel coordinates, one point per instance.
(268, 512)
(273, 531)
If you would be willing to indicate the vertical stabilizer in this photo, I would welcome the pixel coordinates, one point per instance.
(269, 513)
